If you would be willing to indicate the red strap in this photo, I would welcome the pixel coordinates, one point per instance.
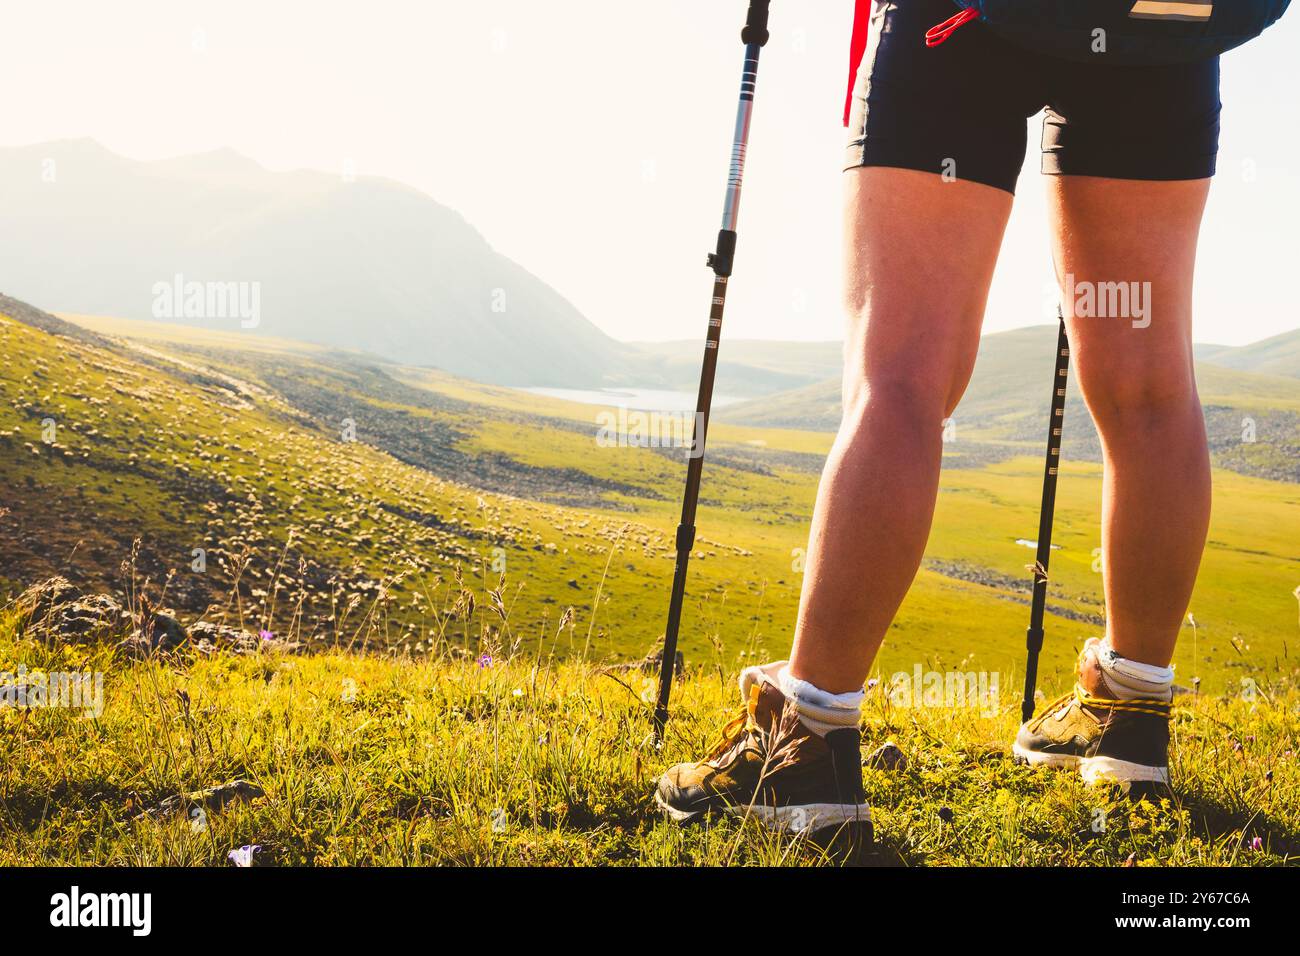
(936, 35)
(857, 49)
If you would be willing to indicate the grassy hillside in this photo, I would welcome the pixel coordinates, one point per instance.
(1279, 355)
(523, 761)
(188, 439)
(471, 570)
(311, 526)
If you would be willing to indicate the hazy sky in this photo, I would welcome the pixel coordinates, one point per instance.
(588, 139)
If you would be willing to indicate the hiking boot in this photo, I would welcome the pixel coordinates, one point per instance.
(1106, 740)
(769, 765)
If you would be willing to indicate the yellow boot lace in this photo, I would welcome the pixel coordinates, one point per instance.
(738, 726)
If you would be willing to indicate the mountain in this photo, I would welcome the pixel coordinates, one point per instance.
(746, 367)
(367, 265)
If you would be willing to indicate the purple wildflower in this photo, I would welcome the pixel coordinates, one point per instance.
(485, 659)
(1257, 844)
(266, 635)
(243, 856)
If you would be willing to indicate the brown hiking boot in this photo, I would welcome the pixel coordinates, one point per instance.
(1106, 740)
(770, 765)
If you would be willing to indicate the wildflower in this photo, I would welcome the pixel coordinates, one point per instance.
(518, 692)
(266, 635)
(1257, 844)
(871, 684)
(485, 659)
(243, 856)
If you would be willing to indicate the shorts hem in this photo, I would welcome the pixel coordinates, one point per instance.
(854, 159)
(1204, 169)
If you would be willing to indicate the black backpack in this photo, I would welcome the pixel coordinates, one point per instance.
(1122, 32)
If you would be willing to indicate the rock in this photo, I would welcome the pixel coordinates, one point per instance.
(213, 798)
(162, 632)
(57, 609)
(887, 757)
(38, 599)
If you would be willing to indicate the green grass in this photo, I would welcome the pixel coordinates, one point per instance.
(368, 759)
(411, 753)
(150, 448)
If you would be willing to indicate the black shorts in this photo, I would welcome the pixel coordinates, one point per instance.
(961, 108)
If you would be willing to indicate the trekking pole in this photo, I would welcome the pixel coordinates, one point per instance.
(1034, 636)
(754, 36)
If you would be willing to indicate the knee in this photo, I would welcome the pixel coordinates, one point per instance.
(906, 361)
(1120, 393)
(915, 397)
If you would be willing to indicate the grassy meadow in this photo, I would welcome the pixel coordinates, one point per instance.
(532, 760)
(473, 572)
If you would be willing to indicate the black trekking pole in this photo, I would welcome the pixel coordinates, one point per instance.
(754, 36)
(1034, 636)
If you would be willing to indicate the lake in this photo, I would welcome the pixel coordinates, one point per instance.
(641, 399)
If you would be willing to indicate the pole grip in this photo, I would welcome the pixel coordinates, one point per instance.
(756, 23)
(723, 257)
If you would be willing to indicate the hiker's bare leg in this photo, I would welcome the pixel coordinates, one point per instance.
(1141, 389)
(919, 256)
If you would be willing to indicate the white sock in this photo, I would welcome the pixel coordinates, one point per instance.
(1128, 679)
(819, 711)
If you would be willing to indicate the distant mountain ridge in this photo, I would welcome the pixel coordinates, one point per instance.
(1277, 355)
(367, 264)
